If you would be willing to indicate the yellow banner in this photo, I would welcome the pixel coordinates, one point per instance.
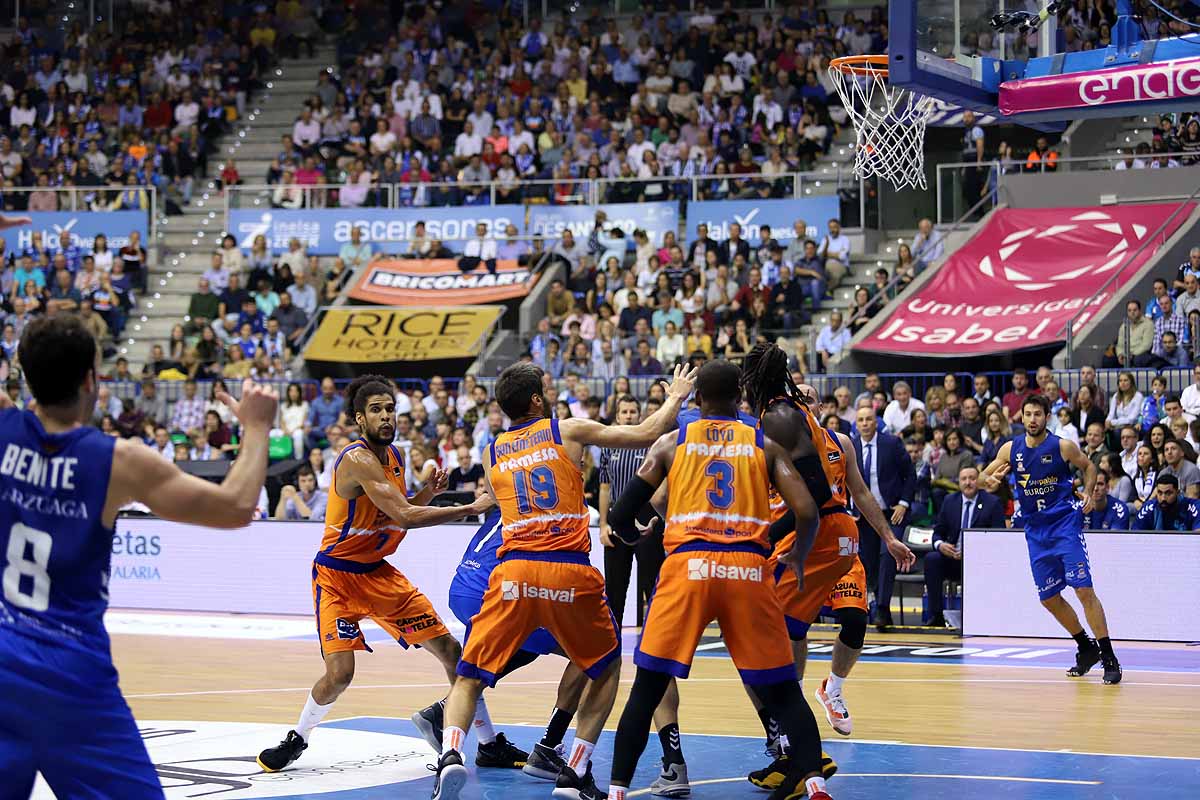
(364, 334)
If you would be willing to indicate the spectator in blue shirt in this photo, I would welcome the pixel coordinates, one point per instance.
(324, 411)
(304, 500)
(252, 316)
(1108, 513)
(71, 253)
(1167, 511)
(27, 271)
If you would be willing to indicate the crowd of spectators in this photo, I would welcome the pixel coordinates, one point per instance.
(655, 98)
(1164, 331)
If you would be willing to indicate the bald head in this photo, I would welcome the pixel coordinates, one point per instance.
(811, 397)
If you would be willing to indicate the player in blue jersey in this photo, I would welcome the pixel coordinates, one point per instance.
(61, 485)
(1107, 514)
(1041, 464)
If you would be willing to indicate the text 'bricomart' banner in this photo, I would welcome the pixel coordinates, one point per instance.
(82, 226)
(378, 334)
(1022, 279)
(388, 230)
(419, 282)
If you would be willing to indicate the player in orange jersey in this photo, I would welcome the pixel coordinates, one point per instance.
(718, 470)
(544, 578)
(367, 517)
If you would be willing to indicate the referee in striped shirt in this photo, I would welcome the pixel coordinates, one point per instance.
(617, 468)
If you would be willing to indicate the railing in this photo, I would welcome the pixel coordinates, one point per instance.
(951, 176)
(81, 199)
(565, 191)
(1087, 309)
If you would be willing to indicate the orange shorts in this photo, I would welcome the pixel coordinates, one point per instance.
(382, 593)
(833, 554)
(700, 582)
(559, 591)
(850, 590)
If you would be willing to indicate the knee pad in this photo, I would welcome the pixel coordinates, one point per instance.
(854, 627)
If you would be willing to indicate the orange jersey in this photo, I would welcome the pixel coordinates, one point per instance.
(355, 530)
(539, 489)
(718, 485)
(829, 450)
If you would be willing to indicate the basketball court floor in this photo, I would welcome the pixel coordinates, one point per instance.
(934, 717)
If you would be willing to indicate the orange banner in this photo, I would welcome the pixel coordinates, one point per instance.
(439, 281)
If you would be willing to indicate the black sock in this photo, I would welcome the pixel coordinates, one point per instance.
(559, 722)
(669, 737)
(771, 727)
(1106, 647)
(1083, 640)
(634, 728)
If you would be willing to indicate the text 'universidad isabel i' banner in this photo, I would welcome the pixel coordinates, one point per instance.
(368, 334)
(1019, 281)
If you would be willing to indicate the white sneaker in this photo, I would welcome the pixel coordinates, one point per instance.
(672, 782)
(835, 710)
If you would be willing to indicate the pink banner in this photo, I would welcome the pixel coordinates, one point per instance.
(1022, 278)
(1165, 80)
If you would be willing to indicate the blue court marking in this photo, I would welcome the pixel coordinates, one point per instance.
(868, 771)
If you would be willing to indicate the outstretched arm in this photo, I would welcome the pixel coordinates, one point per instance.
(360, 468)
(641, 489)
(631, 437)
(14, 222)
(869, 508)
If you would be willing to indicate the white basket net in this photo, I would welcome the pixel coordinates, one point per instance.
(889, 124)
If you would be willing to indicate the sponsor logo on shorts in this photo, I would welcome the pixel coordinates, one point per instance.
(347, 629)
(515, 590)
(418, 623)
(847, 545)
(703, 569)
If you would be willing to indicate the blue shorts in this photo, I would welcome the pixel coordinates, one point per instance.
(62, 714)
(465, 606)
(1058, 554)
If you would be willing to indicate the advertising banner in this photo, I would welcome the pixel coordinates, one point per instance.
(83, 226)
(371, 333)
(415, 282)
(388, 230)
(654, 218)
(1155, 82)
(266, 568)
(780, 215)
(1019, 281)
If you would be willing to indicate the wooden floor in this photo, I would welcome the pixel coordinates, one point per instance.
(1036, 708)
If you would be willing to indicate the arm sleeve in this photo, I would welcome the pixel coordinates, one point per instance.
(623, 514)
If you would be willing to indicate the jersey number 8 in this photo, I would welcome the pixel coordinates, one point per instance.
(33, 569)
(536, 486)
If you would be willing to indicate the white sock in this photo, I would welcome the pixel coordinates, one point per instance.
(311, 716)
(452, 739)
(784, 744)
(580, 755)
(483, 723)
(617, 792)
(814, 785)
(833, 684)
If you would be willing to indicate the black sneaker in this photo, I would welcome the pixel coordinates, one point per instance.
(544, 762)
(570, 786)
(276, 758)
(771, 776)
(501, 753)
(451, 776)
(429, 724)
(1084, 661)
(1112, 670)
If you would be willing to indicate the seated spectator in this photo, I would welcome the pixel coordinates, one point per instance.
(834, 250)
(467, 474)
(162, 443)
(970, 508)
(928, 246)
(1167, 511)
(203, 306)
(189, 409)
(953, 458)
(833, 341)
(644, 363)
(1189, 267)
(1186, 473)
(324, 411)
(1135, 338)
(304, 501)
(200, 449)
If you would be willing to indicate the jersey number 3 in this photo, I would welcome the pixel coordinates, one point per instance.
(535, 489)
(721, 495)
(32, 568)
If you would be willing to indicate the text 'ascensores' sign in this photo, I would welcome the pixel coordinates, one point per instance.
(418, 282)
(1018, 282)
(372, 334)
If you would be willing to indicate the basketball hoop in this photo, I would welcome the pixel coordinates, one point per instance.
(889, 122)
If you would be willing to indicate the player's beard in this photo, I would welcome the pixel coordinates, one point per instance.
(378, 438)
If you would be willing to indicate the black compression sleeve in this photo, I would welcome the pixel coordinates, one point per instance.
(623, 513)
(813, 473)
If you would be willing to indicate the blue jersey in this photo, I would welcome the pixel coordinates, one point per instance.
(480, 559)
(1185, 516)
(1115, 516)
(1043, 481)
(56, 549)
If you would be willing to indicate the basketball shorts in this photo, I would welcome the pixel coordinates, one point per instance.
(559, 591)
(61, 713)
(850, 591)
(345, 592)
(833, 555)
(703, 581)
(1058, 554)
(466, 604)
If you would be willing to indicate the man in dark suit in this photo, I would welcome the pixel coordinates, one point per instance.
(889, 473)
(969, 508)
(733, 246)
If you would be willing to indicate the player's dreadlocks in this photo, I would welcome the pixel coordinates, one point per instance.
(765, 376)
(363, 387)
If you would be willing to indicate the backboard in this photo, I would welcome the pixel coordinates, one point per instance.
(1040, 78)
